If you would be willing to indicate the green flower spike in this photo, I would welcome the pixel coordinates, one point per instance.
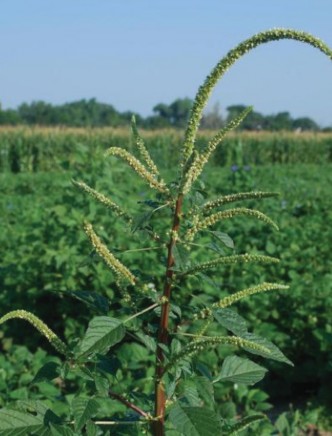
(264, 287)
(230, 260)
(139, 168)
(213, 204)
(225, 63)
(197, 346)
(49, 334)
(119, 269)
(101, 198)
(142, 149)
(227, 214)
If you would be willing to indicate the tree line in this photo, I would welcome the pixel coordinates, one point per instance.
(91, 113)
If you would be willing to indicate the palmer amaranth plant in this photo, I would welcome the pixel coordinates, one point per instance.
(175, 392)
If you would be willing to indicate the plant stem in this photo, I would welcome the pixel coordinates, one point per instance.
(160, 396)
(128, 404)
(153, 306)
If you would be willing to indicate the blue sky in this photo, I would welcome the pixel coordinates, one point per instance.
(136, 53)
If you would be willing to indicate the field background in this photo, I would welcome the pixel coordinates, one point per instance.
(45, 255)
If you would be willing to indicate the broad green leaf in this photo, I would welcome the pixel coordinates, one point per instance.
(148, 341)
(274, 353)
(231, 320)
(195, 421)
(102, 384)
(60, 430)
(92, 299)
(103, 332)
(181, 257)
(190, 394)
(142, 221)
(15, 423)
(238, 370)
(91, 429)
(83, 410)
(224, 238)
(205, 390)
(243, 424)
(49, 371)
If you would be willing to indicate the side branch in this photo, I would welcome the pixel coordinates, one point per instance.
(128, 404)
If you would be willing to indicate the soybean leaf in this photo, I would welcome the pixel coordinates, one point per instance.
(83, 410)
(195, 421)
(239, 370)
(103, 332)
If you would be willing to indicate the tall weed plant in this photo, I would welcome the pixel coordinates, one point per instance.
(154, 317)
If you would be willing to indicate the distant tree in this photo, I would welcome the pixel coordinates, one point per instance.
(38, 112)
(254, 120)
(175, 114)
(9, 117)
(305, 123)
(282, 121)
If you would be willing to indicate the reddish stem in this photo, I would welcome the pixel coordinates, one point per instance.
(160, 396)
(128, 404)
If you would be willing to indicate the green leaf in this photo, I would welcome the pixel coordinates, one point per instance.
(243, 424)
(49, 371)
(103, 332)
(181, 257)
(148, 341)
(83, 410)
(231, 320)
(15, 423)
(195, 421)
(238, 370)
(142, 221)
(91, 429)
(224, 238)
(205, 389)
(274, 353)
(60, 430)
(92, 299)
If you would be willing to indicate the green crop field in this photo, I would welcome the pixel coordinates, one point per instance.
(45, 257)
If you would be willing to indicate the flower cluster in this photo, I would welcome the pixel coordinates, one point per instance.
(49, 334)
(139, 168)
(201, 159)
(264, 287)
(118, 268)
(101, 198)
(229, 260)
(197, 346)
(226, 62)
(227, 214)
(142, 149)
(236, 197)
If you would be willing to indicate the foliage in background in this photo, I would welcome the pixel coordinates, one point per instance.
(42, 149)
(91, 113)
